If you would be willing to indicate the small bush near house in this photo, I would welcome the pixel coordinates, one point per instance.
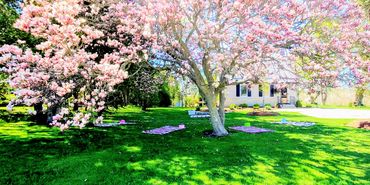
(191, 101)
(268, 106)
(262, 113)
(298, 103)
(243, 105)
(197, 108)
(233, 106)
(256, 106)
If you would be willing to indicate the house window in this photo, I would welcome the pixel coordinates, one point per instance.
(272, 90)
(260, 90)
(245, 90)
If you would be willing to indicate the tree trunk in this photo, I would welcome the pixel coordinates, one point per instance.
(313, 98)
(217, 123)
(75, 104)
(359, 96)
(221, 107)
(126, 97)
(100, 113)
(324, 97)
(144, 105)
(51, 112)
(40, 117)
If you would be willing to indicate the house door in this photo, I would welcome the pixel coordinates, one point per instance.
(284, 95)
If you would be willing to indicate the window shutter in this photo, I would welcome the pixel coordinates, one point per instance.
(237, 90)
(272, 90)
(260, 90)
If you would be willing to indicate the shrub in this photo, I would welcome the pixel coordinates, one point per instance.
(233, 106)
(164, 98)
(197, 108)
(191, 101)
(256, 106)
(351, 104)
(298, 103)
(243, 105)
(268, 106)
(263, 113)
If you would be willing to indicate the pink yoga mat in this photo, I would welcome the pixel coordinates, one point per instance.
(251, 130)
(164, 130)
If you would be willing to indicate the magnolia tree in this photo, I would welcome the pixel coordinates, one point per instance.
(360, 70)
(317, 79)
(86, 46)
(215, 42)
(318, 66)
(146, 86)
(356, 73)
(337, 44)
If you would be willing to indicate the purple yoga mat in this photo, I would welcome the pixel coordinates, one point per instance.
(163, 130)
(251, 130)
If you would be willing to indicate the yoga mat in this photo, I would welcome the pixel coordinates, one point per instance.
(251, 130)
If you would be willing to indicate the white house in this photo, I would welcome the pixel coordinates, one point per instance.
(256, 94)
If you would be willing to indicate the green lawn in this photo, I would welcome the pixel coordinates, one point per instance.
(328, 153)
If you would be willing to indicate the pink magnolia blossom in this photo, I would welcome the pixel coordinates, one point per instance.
(67, 67)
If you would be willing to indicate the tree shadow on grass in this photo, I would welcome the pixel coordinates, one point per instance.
(13, 117)
(321, 154)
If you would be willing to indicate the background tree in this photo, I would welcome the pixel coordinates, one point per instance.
(356, 74)
(165, 99)
(10, 35)
(361, 82)
(319, 66)
(15, 4)
(174, 90)
(145, 87)
(366, 6)
(4, 89)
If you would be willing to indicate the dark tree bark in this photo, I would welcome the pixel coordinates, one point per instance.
(75, 105)
(40, 117)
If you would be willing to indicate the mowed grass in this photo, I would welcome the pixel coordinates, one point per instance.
(328, 153)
